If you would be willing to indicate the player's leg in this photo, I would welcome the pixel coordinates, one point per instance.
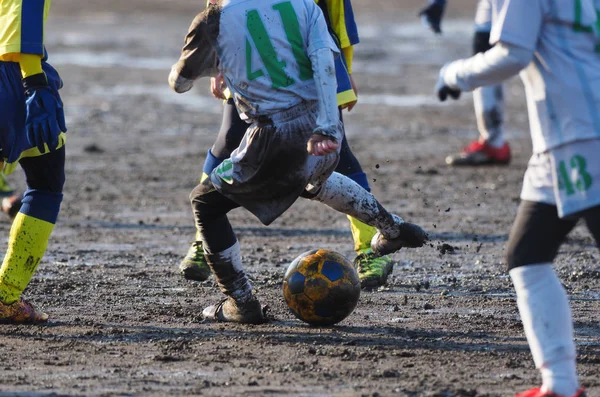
(373, 271)
(11, 202)
(488, 102)
(344, 195)
(29, 234)
(194, 266)
(222, 253)
(542, 301)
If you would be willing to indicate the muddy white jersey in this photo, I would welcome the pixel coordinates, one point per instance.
(562, 82)
(264, 48)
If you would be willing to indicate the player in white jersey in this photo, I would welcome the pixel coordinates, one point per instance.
(555, 44)
(277, 58)
(491, 146)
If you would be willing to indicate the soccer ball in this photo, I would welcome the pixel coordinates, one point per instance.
(321, 287)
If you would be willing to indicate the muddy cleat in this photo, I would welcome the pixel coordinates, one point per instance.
(537, 392)
(194, 266)
(11, 205)
(229, 310)
(411, 236)
(480, 153)
(21, 312)
(373, 271)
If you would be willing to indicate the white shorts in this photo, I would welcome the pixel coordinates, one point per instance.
(483, 16)
(567, 176)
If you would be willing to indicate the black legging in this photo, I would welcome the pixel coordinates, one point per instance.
(233, 129)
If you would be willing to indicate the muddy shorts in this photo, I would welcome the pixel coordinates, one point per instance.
(567, 176)
(271, 167)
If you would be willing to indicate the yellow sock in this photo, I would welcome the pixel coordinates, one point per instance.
(362, 234)
(26, 247)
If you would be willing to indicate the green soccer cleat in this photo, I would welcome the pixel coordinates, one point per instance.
(194, 266)
(373, 271)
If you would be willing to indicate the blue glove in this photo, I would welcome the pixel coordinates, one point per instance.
(432, 15)
(45, 118)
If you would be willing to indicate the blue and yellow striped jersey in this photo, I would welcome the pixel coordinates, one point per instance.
(22, 26)
(342, 26)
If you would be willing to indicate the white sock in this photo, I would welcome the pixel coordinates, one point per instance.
(546, 316)
(489, 111)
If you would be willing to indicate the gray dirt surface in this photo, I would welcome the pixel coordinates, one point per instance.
(123, 321)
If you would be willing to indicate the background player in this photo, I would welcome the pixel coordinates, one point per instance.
(32, 127)
(490, 147)
(283, 81)
(556, 44)
(373, 271)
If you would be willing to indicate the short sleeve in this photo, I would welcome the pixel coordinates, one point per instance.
(318, 33)
(517, 22)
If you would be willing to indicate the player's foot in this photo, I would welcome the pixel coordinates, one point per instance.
(480, 153)
(537, 392)
(373, 271)
(21, 312)
(411, 236)
(11, 205)
(229, 310)
(194, 265)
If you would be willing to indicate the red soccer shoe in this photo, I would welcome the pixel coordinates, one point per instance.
(480, 153)
(537, 392)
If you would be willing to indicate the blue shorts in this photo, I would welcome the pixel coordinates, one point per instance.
(13, 140)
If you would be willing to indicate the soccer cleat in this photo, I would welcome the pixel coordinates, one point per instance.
(537, 392)
(21, 312)
(411, 236)
(480, 153)
(194, 266)
(11, 205)
(373, 271)
(231, 311)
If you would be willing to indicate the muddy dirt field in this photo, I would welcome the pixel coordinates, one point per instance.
(123, 321)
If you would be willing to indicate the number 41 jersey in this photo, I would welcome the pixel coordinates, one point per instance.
(263, 49)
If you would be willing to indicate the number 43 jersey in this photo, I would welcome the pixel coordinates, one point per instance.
(263, 49)
(563, 80)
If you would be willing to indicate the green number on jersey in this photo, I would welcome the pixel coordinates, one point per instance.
(579, 27)
(584, 179)
(264, 47)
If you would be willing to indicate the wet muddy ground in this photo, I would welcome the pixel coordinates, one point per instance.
(123, 322)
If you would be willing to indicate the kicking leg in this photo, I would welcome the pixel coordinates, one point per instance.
(346, 196)
(222, 253)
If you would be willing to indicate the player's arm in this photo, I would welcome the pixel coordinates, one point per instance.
(24, 40)
(514, 38)
(340, 15)
(198, 56)
(321, 51)
(432, 15)
(489, 68)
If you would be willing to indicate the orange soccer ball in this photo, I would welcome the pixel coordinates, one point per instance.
(321, 287)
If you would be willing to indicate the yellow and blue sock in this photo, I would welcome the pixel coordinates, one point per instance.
(27, 242)
(361, 232)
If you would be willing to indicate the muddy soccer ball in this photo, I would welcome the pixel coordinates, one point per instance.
(321, 287)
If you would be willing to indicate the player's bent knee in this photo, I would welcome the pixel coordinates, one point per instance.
(481, 42)
(536, 235)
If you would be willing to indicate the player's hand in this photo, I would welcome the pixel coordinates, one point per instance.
(179, 83)
(351, 105)
(218, 86)
(432, 15)
(45, 117)
(443, 89)
(321, 145)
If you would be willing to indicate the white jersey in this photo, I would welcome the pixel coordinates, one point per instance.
(264, 48)
(563, 80)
